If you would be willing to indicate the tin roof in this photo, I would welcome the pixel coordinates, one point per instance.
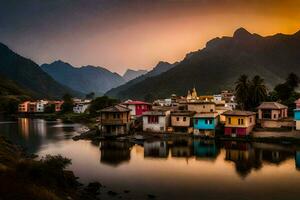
(115, 108)
(206, 115)
(155, 113)
(136, 103)
(239, 113)
(271, 105)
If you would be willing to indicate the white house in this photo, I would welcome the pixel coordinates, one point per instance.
(217, 97)
(156, 121)
(80, 107)
(40, 105)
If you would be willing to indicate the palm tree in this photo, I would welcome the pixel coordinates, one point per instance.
(258, 91)
(242, 91)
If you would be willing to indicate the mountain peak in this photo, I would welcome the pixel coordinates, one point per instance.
(241, 33)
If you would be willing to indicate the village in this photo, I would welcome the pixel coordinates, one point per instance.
(193, 114)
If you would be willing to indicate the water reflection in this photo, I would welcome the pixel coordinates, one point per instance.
(156, 149)
(115, 152)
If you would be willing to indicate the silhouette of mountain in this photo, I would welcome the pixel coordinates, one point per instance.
(132, 74)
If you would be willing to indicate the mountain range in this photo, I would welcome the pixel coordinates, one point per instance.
(85, 79)
(218, 65)
(123, 90)
(27, 74)
(132, 74)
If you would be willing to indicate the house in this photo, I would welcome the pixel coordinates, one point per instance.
(181, 121)
(205, 123)
(201, 106)
(32, 108)
(272, 115)
(80, 107)
(217, 97)
(137, 107)
(156, 120)
(297, 114)
(115, 120)
(239, 123)
(23, 107)
(40, 105)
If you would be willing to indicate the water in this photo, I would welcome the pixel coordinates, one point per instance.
(182, 168)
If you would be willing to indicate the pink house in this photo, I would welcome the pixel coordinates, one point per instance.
(137, 107)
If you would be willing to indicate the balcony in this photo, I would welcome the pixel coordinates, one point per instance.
(113, 121)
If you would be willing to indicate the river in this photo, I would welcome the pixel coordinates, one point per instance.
(181, 168)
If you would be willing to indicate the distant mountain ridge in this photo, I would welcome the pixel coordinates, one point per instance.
(161, 67)
(30, 76)
(220, 63)
(132, 74)
(85, 79)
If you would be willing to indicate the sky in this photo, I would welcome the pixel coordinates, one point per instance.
(135, 34)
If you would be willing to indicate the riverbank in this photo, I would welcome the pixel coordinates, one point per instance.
(24, 177)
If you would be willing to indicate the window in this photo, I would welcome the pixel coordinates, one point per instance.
(229, 120)
(208, 121)
(203, 106)
(177, 118)
(242, 121)
(211, 110)
(196, 121)
(152, 119)
(274, 117)
(250, 119)
(239, 121)
(184, 119)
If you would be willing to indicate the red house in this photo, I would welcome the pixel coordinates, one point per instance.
(137, 107)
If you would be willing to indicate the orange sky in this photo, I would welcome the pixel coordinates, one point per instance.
(138, 34)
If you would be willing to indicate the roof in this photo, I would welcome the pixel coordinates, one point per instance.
(155, 113)
(182, 113)
(200, 102)
(271, 105)
(239, 113)
(115, 108)
(206, 115)
(136, 103)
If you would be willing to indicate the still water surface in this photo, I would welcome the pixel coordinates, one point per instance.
(182, 168)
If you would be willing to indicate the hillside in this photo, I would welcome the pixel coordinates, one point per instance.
(221, 62)
(85, 79)
(120, 91)
(29, 76)
(132, 74)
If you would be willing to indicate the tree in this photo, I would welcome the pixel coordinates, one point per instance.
(292, 80)
(67, 106)
(100, 103)
(242, 91)
(90, 95)
(258, 91)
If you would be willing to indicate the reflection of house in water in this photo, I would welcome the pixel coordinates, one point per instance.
(297, 160)
(156, 149)
(115, 152)
(243, 155)
(273, 153)
(205, 149)
(182, 147)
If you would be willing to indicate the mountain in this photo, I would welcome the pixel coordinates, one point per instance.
(122, 90)
(221, 62)
(30, 76)
(132, 74)
(85, 79)
(9, 87)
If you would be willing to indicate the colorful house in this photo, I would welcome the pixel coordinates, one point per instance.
(272, 115)
(156, 120)
(181, 121)
(137, 107)
(239, 123)
(205, 123)
(80, 107)
(114, 120)
(297, 114)
(23, 107)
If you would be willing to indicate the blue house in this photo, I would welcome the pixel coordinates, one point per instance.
(205, 123)
(297, 118)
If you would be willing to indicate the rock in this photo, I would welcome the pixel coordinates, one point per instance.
(112, 193)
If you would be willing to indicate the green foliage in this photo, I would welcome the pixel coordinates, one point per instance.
(250, 94)
(90, 95)
(50, 108)
(68, 104)
(100, 103)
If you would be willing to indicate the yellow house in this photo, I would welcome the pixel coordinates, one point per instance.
(239, 123)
